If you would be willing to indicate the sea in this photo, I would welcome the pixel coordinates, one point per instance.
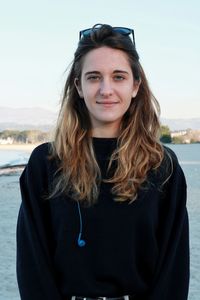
(189, 158)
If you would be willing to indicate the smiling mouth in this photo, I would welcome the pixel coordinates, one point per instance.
(107, 103)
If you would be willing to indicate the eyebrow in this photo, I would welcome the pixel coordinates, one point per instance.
(97, 72)
(121, 71)
(91, 72)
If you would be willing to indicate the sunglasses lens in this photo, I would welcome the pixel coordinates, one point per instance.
(86, 32)
(123, 31)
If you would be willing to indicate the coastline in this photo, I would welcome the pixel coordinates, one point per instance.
(12, 170)
(23, 147)
(15, 163)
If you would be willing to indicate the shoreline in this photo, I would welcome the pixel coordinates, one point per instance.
(11, 170)
(23, 147)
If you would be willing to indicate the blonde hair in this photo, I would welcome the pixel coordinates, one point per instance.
(138, 147)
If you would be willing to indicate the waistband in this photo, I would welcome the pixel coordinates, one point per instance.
(126, 297)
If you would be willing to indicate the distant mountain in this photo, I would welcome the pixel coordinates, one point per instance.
(181, 124)
(44, 119)
(26, 118)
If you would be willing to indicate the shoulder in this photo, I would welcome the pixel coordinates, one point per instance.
(173, 168)
(169, 170)
(40, 153)
(39, 163)
(36, 176)
(170, 161)
(169, 155)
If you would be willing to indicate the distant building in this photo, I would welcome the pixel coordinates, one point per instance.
(178, 133)
(7, 141)
(186, 136)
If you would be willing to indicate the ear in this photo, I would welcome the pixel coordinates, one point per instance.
(136, 88)
(78, 87)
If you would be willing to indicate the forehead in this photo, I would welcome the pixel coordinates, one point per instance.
(105, 58)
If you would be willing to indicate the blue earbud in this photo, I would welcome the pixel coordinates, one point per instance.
(81, 243)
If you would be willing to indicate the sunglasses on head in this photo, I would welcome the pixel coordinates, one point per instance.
(122, 30)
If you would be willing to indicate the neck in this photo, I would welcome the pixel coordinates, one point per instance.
(105, 132)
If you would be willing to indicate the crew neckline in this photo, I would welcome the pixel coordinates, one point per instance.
(104, 138)
(104, 147)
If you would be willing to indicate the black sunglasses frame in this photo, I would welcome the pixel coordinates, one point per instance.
(122, 30)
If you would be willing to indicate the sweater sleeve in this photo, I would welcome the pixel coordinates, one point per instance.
(35, 274)
(171, 279)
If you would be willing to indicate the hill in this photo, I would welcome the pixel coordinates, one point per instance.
(44, 119)
(182, 124)
(27, 118)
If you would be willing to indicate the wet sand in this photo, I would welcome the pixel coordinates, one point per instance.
(24, 147)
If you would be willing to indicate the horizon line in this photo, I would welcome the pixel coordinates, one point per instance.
(52, 110)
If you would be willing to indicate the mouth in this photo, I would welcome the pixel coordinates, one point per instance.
(107, 103)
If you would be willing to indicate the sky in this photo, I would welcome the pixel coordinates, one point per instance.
(38, 39)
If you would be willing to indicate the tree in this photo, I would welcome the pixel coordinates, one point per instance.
(26, 136)
(165, 135)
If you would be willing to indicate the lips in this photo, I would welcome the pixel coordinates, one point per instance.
(106, 102)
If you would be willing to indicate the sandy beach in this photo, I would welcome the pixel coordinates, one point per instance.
(23, 147)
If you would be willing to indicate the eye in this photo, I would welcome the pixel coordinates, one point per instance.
(93, 78)
(119, 77)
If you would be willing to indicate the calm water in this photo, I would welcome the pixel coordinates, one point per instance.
(13, 157)
(189, 157)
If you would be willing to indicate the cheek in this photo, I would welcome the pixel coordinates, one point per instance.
(128, 96)
(127, 105)
(89, 100)
(127, 91)
(89, 95)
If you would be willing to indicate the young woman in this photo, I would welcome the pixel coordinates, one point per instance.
(103, 211)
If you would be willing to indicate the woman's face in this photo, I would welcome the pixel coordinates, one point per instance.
(107, 87)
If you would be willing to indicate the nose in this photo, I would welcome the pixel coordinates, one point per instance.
(106, 89)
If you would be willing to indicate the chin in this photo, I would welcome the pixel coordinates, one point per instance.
(110, 121)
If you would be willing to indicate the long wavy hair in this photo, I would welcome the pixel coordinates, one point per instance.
(138, 147)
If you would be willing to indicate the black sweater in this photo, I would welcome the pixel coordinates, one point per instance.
(139, 249)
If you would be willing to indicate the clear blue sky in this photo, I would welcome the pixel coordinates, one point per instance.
(38, 39)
